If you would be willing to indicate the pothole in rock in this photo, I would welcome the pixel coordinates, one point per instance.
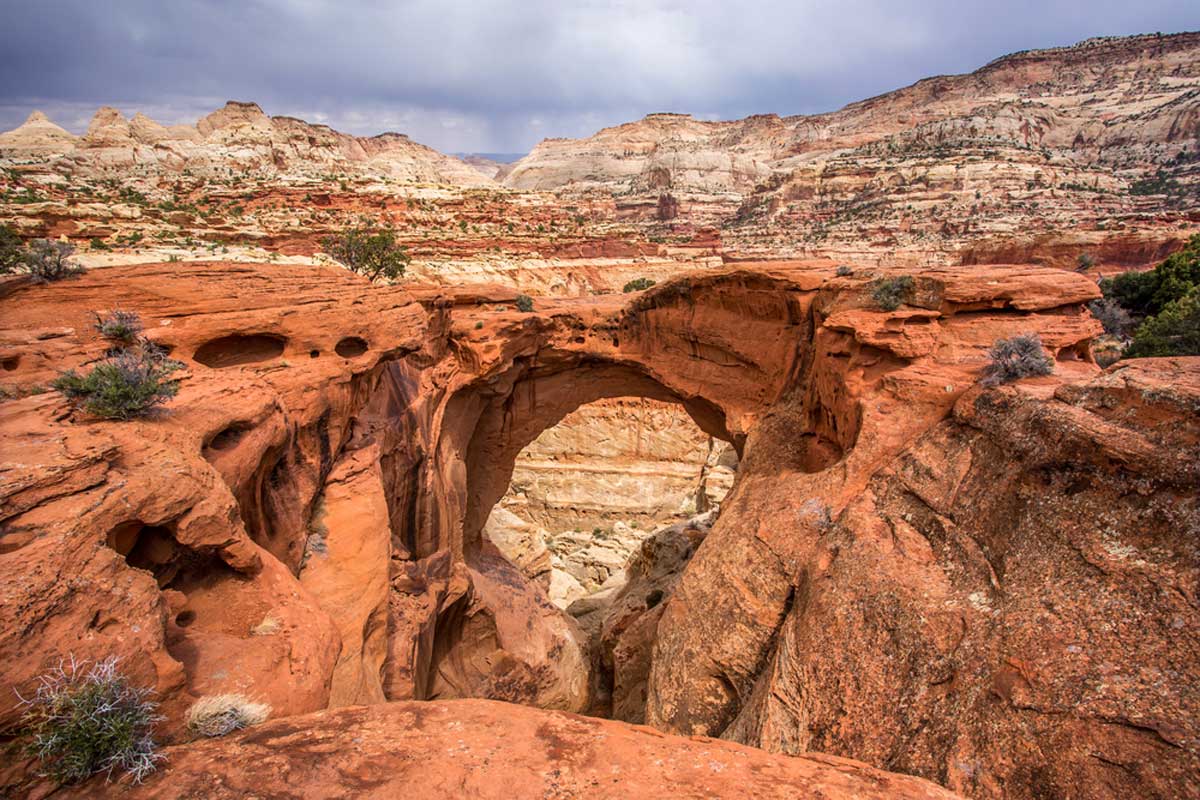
(239, 349)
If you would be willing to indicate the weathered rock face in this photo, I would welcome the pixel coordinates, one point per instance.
(1011, 591)
(474, 748)
(1054, 151)
(900, 573)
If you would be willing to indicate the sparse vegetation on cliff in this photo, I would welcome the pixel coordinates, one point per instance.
(119, 327)
(890, 293)
(124, 386)
(374, 254)
(1021, 356)
(1147, 293)
(638, 285)
(524, 303)
(84, 720)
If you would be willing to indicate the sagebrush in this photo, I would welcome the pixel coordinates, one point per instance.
(87, 719)
(524, 303)
(121, 327)
(1116, 320)
(127, 385)
(1021, 356)
(890, 293)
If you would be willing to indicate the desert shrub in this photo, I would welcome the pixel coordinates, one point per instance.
(1175, 331)
(843, 271)
(1084, 262)
(12, 250)
(124, 386)
(88, 719)
(372, 253)
(1019, 357)
(1147, 293)
(49, 261)
(1116, 320)
(890, 293)
(524, 303)
(638, 285)
(219, 714)
(119, 326)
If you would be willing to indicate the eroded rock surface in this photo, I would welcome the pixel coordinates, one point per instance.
(475, 748)
(988, 588)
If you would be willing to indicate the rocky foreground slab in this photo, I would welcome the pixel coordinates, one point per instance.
(484, 749)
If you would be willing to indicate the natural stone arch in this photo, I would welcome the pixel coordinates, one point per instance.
(536, 402)
(727, 348)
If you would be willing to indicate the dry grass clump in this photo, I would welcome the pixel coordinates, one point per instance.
(219, 714)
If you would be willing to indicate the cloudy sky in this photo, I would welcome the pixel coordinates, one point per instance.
(496, 76)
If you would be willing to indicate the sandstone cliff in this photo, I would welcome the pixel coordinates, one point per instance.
(238, 138)
(1076, 145)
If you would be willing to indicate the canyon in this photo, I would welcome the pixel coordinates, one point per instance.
(742, 531)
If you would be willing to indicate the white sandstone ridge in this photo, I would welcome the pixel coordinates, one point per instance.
(237, 138)
(586, 493)
(1124, 99)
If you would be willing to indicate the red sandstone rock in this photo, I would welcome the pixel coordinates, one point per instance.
(899, 574)
(479, 749)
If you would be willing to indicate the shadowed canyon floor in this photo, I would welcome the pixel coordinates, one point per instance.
(986, 588)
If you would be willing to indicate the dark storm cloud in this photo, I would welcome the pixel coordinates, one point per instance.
(499, 76)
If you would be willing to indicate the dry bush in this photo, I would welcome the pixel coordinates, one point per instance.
(219, 714)
(1021, 356)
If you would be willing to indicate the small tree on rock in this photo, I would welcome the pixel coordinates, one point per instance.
(1174, 331)
(119, 327)
(49, 261)
(374, 254)
(1019, 357)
